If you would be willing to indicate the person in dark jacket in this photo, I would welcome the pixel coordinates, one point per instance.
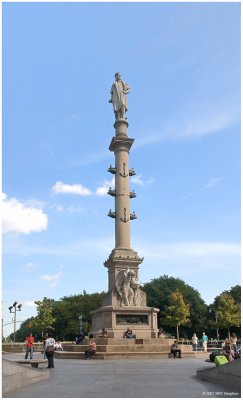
(175, 349)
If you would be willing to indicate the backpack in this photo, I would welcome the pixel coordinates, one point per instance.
(215, 354)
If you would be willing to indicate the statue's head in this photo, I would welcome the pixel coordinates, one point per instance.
(131, 273)
(117, 76)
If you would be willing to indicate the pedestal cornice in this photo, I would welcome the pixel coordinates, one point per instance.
(123, 257)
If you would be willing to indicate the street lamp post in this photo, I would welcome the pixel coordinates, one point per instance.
(213, 315)
(81, 322)
(217, 330)
(16, 307)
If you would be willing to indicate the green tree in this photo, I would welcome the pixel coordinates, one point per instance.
(158, 293)
(235, 292)
(44, 319)
(228, 312)
(68, 310)
(177, 312)
(27, 327)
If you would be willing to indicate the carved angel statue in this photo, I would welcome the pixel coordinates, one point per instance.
(136, 291)
(127, 287)
(118, 98)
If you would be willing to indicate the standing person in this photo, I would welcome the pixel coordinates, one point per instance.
(44, 344)
(118, 98)
(228, 350)
(175, 349)
(194, 342)
(90, 350)
(233, 342)
(29, 341)
(205, 342)
(49, 350)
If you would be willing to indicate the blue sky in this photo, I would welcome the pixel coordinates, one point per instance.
(182, 61)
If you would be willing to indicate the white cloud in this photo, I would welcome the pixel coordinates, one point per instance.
(62, 188)
(212, 183)
(17, 217)
(54, 279)
(34, 203)
(102, 190)
(75, 210)
(202, 120)
(81, 249)
(73, 116)
(57, 207)
(70, 209)
(191, 250)
(200, 264)
(29, 303)
(89, 158)
(29, 266)
(48, 150)
(141, 182)
(195, 121)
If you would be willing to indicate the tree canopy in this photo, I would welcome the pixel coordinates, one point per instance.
(228, 312)
(224, 312)
(45, 319)
(177, 312)
(62, 317)
(68, 310)
(159, 291)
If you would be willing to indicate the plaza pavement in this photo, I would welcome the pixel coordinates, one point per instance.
(157, 378)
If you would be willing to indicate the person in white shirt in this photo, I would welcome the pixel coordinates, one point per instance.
(194, 342)
(58, 346)
(49, 350)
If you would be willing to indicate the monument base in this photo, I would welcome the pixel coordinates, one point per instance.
(116, 320)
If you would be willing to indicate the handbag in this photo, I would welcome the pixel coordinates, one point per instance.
(49, 349)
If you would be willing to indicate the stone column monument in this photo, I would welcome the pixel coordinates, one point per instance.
(125, 303)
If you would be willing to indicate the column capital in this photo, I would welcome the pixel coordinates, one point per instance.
(121, 143)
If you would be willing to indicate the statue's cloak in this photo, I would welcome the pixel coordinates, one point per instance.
(118, 96)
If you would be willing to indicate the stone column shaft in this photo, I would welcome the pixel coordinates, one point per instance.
(122, 202)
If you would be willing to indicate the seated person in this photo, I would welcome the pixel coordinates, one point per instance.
(79, 338)
(104, 333)
(128, 334)
(175, 349)
(58, 346)
(228, 350)
(161, 333)
(90, 350)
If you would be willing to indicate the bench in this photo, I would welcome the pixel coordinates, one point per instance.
(33, 363)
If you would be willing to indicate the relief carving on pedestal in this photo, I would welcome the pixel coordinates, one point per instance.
(127, 286)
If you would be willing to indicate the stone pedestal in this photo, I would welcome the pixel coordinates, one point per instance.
(116, 319)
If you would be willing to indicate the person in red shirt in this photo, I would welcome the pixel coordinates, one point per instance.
(29, 341)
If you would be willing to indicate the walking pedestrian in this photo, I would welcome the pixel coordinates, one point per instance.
(49, 350)
(29, 341)
(194, 342)
(204, 342)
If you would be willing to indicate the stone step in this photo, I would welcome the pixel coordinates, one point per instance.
(119, 355)
(120, 348)
(117, 341)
